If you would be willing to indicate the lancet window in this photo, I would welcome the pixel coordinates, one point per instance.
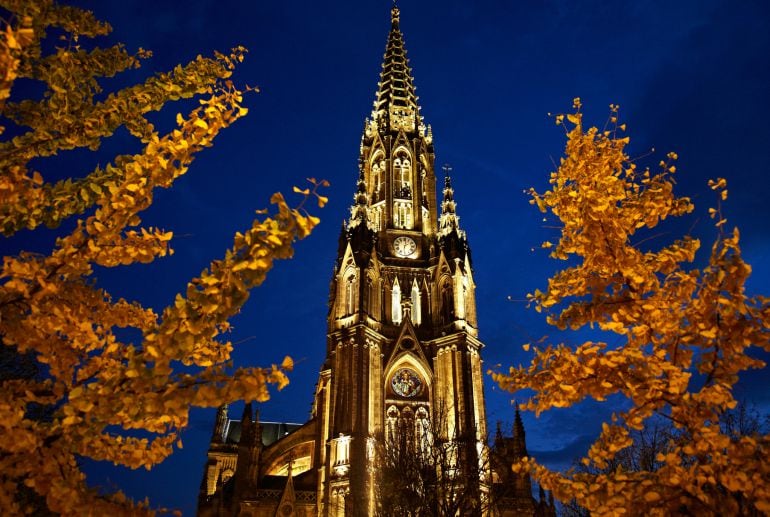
(423, 431)
(416, 304)
(377, 179)
(402, 176)
(350, 294)
(447, 302)
(408, 427)
(395, 305)
(423, 187)
(375, 216)
(402, 215)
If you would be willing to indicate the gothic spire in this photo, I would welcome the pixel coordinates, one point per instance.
(499, 436)
(358, 211)
(449, 220)
(246, 420)
(519, 438)
(396, 100)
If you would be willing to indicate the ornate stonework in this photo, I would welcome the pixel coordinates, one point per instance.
(402, 343)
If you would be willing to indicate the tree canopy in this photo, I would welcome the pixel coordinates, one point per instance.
(76, 382)
(686, 333)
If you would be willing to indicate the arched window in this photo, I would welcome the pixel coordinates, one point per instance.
(377, 179)
(376, 174)
(423, 432)
(462, 298)
(373, 296)
(447, 302)
(416, 304)
(402, 175)
(395, 303)
(350, 294)
(423, 186)
(391, 423)
(407, 427)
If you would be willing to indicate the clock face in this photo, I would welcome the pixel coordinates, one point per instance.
(404, 246)
(406, 383)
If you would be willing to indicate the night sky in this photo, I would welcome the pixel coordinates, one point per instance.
(690, 76)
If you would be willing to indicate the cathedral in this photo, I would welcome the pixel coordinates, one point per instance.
(401, 388)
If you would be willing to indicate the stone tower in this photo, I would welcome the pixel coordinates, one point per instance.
(402, 358)
(402, 343)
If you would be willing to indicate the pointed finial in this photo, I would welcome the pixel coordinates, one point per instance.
(518, 425)
(519, 436)
(220, 425)
(448, 222)
(447, 177)
(395, 13)
(448, 206)
(246, 418)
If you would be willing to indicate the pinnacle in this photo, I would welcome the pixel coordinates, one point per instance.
(247, 412)
(519, 437)
(361, 189)
(448, 205)
(448, 191)
(358, 211)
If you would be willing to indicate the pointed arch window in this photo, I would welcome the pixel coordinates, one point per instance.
(447, 302)
(377, 179)
(391, 423)
(416, 304)
(350, 294)
(461, 299)
(403, 173)
(396, 303)
(423, 432)
(402, 176)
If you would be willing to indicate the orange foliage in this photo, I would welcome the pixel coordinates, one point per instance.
(92, 391)
(686, 335)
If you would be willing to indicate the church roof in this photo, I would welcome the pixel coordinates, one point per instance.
(271, 431)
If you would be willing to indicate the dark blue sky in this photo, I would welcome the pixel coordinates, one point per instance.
(690, 76)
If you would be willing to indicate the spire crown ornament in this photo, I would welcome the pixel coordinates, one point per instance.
(395, 13)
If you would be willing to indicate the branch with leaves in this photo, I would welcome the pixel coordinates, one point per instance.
(686, 335)
(84, 391)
